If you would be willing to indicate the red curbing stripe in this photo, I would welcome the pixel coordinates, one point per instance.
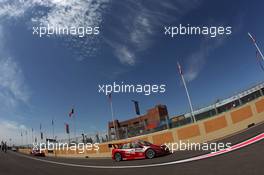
(237, 146)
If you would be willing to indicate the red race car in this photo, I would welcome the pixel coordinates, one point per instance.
(137, 150)
(37, 152)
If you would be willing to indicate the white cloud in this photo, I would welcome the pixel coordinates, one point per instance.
(141, 29)
(12, 87)
(13, 91)
(12, 130)
(125, 56)
(60, 13)
(140, 22)
(134, 33)
(197, 60)
(78, 13)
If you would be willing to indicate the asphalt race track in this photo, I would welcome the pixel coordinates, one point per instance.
(245, 161)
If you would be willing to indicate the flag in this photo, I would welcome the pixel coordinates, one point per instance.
(52, 122)
(136, 107)
(67, 128)
(71, 113)
(180, 69)
(41, 135)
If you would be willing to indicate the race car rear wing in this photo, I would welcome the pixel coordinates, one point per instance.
(112, 145)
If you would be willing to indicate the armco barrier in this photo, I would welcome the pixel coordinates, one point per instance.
(214, 128)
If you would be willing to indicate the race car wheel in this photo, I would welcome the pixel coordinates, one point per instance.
(150, 153)
(118, 157)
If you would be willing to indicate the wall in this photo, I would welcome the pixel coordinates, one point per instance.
(220, 126)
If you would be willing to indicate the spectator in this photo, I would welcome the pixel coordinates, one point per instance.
(5, 147)
(2, 146)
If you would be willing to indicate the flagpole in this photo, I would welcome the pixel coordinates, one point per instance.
(73, 115)
(69, 138)
(32, 135)
(256, 45)
(26, 137)
(74, 120)
(112, 112)
(53, 128)
(22, 138)
(187, 93)
(67, 127)
(41, 133)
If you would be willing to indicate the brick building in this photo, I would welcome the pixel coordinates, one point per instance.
(139, 124)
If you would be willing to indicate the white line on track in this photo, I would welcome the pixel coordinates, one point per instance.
(213, 154)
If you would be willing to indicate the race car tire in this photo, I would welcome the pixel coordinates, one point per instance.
(150, 154)
(118, 157)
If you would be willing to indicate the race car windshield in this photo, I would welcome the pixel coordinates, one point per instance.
(126, 146)
(145, 143)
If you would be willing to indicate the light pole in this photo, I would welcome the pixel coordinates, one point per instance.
(256, 45)
(187, 92)
(83, 138)
(112, 112)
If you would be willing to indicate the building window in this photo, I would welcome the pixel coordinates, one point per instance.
(146, 121)
(136, 123)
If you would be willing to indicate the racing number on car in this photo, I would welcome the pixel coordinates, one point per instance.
(139, 152)
(129, 152)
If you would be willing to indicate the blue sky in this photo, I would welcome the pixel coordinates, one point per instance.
(42, 78)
